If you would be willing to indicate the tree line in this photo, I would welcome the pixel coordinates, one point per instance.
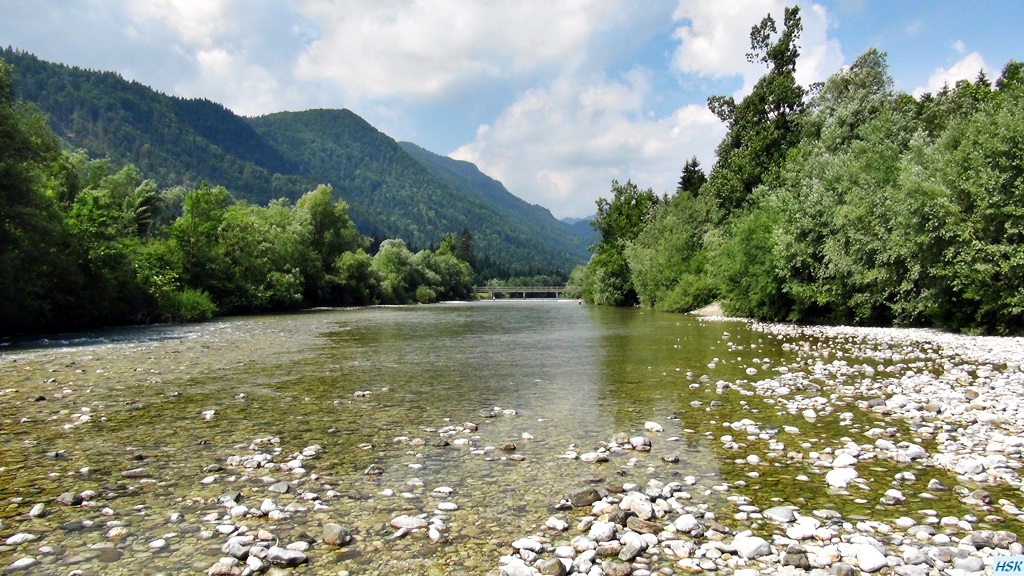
(846, 202)
(85, 243)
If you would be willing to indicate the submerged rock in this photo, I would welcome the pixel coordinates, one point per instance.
(337, 535)
(285, 557)
(584, 497)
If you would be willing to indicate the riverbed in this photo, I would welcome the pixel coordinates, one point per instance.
(436, 436)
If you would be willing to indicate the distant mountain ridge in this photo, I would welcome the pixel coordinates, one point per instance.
(466, 178)
(393, 190)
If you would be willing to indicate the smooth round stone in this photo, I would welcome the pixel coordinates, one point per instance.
(969, 564)
(840, 477)
(408, 522)
(751, 547)
(336, 535)
(22, 564)
(528, 544)
(844, 461)
(285, 557)
(557, 524)
(602, 531)
(800, 532)
(870, 559)
(20, 538)
(904, 522)
(565, 552)
(780, 514)
(447, 506)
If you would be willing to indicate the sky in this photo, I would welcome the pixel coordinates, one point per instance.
(554, 98)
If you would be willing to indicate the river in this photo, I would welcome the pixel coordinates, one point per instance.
(145, 421)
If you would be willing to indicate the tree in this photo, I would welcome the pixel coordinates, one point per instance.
(979, 162)
(816, 242)
(37, 282)
(849, 99)
(330, 230)
(692, 179)
(197, 234)
(666, 259)
(619, 221)
(464, 248)
(765, 125)
(354, 281)
(399, 276)
(329, 233)
(452, 277)
(263, 253)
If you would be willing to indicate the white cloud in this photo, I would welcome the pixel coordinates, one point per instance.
(965, 69)
(560, 146)
(246, 88)
(820, 56)
(239, 54)
(714, 39)
(196, 21)
(416, 48)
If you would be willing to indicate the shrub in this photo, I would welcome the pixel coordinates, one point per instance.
(187, 305)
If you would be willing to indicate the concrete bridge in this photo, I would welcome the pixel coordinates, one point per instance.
(554, 291)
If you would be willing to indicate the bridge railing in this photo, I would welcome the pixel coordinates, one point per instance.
(524, 290)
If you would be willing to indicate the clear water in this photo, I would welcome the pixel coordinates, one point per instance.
(574, 375)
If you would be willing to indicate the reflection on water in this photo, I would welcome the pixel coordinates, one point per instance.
(76, 414)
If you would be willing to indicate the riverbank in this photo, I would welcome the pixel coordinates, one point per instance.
(958, 404)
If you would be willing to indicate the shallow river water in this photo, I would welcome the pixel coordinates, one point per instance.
(145, 421)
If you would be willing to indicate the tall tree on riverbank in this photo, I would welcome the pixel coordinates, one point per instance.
(619, 220)
(34, 255)
(765, 125)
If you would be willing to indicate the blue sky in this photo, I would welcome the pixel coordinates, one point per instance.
(555, 99)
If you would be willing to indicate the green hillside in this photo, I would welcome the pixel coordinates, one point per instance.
(466, 178)
(392, 192)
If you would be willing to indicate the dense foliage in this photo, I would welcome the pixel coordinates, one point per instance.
(392, 190)
(84, 244)
(618, 221)
(850, 203)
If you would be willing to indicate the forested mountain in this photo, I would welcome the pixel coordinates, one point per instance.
(85, 243)
(466, 178)
(392, 190)
(583, 227)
